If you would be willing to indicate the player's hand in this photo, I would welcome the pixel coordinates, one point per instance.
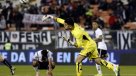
(69, 41)
(45, 17)
(75, 44)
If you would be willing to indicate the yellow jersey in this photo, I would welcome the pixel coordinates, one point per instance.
(82, 37)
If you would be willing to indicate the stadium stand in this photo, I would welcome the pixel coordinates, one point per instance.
(112, 14)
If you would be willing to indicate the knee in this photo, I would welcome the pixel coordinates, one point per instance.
(98, 61)
(1, 59)
(53, 65)
(35, 63)
(49, 73)
(79, 59)
(78, 62)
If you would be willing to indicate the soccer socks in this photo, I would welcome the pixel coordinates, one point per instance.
(79, 69)
(107, 64)
(36, 69)
(98, 67)
(7, 63)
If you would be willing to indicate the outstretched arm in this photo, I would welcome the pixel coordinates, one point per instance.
(59, 20)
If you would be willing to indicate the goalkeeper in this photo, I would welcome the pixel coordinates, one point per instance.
(83, 40)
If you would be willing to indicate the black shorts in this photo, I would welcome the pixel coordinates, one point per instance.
(102, 53)
(43, 65)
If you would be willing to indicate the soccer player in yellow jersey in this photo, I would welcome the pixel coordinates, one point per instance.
(83, 40)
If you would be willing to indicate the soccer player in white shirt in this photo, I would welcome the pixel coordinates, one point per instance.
(102, 48)
(43, 60)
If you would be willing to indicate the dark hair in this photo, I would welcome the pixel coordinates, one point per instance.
(44, 55)
(98, 23)
(95, 21)
(69, 21)
(44, 52)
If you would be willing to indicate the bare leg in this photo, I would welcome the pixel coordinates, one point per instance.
(98, 67)
(37, 73)
(35, 66)
(49, 73)
(109, 65)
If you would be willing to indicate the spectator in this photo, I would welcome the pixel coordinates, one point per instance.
(64, 11)
(112, 14)
(81, 21)
(6, 12)
(33, 9)
(113, 22)
(2, 23)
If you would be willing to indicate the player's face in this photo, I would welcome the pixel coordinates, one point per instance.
(94, 25)
(67, 27)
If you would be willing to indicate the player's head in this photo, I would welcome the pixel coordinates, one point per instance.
(69, 23)
(44, 52)
(95, 25)
(44, 55)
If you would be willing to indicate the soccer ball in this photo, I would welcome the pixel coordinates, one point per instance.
(24, 1)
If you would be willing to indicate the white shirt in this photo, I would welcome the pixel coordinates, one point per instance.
(2, 23)
(101, 44)
(38, 55)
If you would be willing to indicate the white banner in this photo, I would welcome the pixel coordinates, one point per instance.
(124, 39)
(26, 37)
(36, 19)
(27, 40)
(14, 37)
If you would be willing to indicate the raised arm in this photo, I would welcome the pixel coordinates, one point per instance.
(59, 20)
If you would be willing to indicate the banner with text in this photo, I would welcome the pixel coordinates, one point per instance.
(115, 40)
(68, 56)
(28, 40)
(36, 19)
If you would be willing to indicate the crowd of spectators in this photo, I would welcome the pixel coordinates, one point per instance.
(110, 14)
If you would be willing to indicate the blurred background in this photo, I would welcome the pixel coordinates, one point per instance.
(21, 26)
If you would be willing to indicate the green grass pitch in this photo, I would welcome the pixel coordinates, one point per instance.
(67, 70)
